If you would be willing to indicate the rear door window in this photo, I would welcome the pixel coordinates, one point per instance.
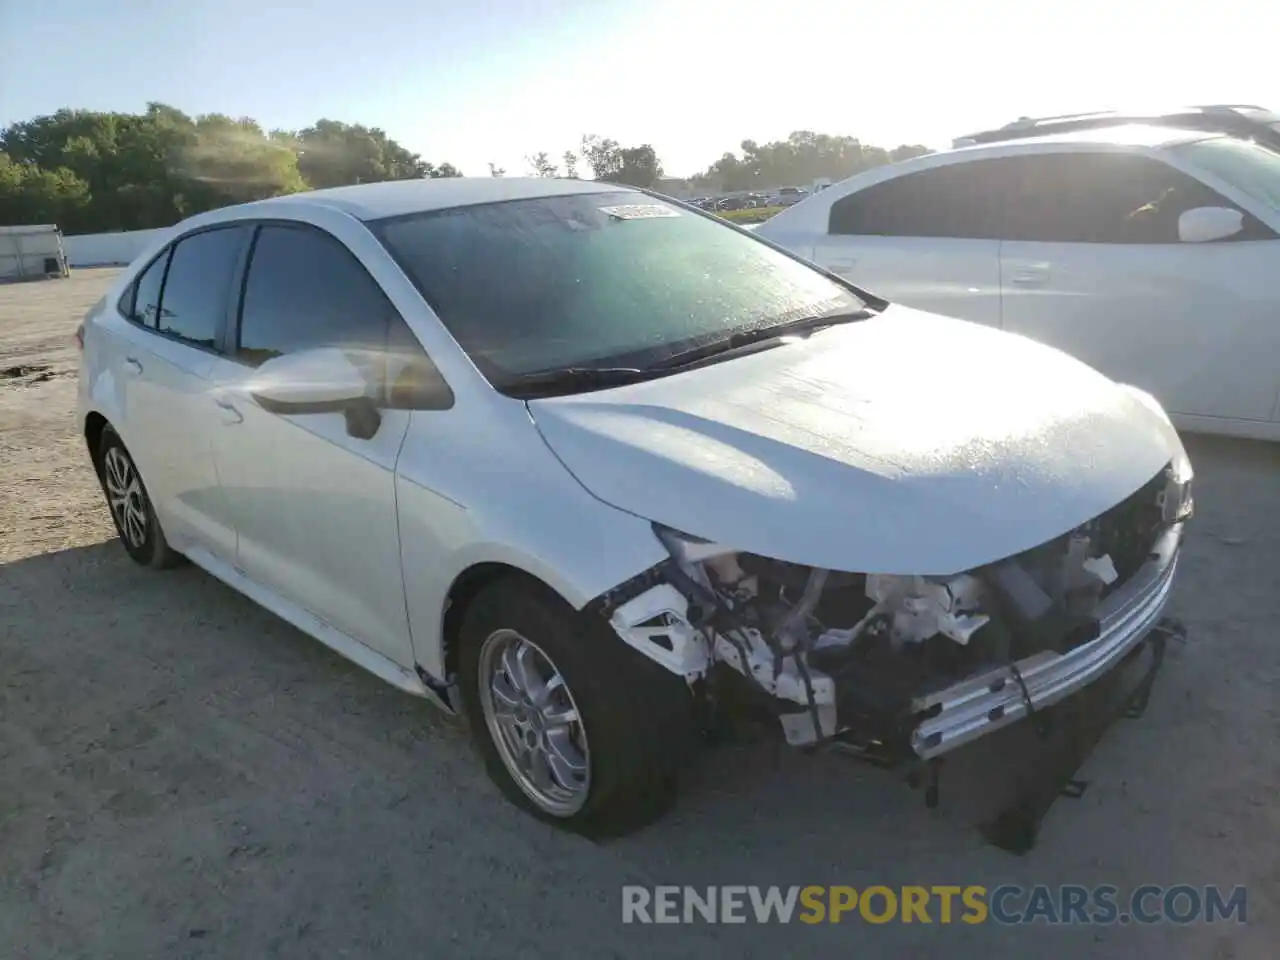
(959, 201)
(141, 303)
(197, 286)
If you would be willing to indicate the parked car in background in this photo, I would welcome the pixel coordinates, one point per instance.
(788, 196)
(661, 469)
(1148, 252)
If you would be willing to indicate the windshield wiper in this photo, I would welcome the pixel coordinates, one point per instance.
(564, 380)
(757, 335)
(571, 380)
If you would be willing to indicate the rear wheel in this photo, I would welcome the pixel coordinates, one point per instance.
(573, 726)
(131, 509)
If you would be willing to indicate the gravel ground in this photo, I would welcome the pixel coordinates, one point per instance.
(183, 774)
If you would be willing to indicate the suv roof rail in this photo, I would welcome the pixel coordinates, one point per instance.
(1024, 122)
(1219, 118)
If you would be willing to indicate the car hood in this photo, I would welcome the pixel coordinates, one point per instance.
(905, 443)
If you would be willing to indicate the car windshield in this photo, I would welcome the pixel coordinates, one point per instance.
(1249, 167)
(598, 279)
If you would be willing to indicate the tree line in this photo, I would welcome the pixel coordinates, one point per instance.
(91, 171)
(800, 159)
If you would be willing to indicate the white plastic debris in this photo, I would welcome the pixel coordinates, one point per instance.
(1102, 568)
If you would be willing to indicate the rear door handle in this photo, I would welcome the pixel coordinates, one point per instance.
(133, 365)
(230, 415)
(841, 265)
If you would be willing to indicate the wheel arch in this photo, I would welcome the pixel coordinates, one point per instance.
(466, 586)
(94, 425)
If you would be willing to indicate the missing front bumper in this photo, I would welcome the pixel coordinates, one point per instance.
(1032, 762)
(1069, 732)
(981, 705)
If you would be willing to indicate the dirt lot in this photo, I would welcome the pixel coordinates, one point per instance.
(182, 774)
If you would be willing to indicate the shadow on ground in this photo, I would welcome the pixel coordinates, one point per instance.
(183, 774)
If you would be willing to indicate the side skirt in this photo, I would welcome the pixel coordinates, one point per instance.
(410, 681)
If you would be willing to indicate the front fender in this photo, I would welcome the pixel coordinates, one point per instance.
(505, 499)
(578, 560)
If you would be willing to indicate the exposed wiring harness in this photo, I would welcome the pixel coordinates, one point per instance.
(1022, 687)
(791, 630)
(716, 613)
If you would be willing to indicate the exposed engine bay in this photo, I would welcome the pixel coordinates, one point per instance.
(854, 655)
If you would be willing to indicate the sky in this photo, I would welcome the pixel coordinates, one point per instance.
(497, 80)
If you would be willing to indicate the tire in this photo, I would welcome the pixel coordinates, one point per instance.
(130, 505)
(634, 717)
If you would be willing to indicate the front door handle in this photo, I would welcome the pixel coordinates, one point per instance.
(230, 415)
(842, 265)
(133, 365)
(1030, 276)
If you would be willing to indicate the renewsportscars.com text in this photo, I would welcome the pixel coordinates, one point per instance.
(972, 904)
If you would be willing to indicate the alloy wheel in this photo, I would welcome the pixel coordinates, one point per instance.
(534, 723)
(126, 497)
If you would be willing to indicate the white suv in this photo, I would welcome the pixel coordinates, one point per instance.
(1149, 253)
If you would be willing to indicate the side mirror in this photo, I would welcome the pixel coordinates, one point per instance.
(1205, 224)
(323, 380)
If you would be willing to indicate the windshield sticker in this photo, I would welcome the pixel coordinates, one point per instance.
(640, 211)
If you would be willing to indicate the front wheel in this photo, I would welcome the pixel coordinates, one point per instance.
(573, 726)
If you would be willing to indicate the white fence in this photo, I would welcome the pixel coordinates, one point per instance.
(109, 249)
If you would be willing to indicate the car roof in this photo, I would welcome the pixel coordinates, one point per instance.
(1131, 135)
(393, 198)
(1237, 119)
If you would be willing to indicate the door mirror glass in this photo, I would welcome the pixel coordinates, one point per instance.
(1205, 224)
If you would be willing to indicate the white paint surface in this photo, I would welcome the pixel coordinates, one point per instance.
(109, 249)
(906, 443)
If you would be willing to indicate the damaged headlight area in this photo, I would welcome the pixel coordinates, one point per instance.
(868, 657)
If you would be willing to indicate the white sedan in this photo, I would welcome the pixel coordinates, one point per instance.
(1149, 253)
(581, 463)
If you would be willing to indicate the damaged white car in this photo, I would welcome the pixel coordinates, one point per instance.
(592, 467)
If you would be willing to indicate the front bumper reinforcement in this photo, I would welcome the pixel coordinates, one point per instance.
(981, 705)
(1069, 700)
